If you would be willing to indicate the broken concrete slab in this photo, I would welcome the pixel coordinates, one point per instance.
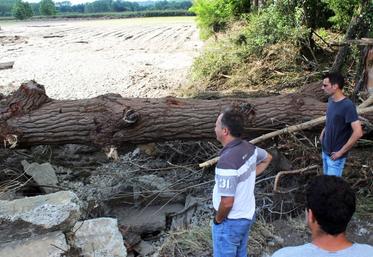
(43, 174)
(99, 238)
(145, 220)
(52, 245)
(26, 217)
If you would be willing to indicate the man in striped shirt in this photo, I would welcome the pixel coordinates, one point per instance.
(233, 196)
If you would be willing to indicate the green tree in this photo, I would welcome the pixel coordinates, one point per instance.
(21, 10)
(343, 10)
(47, 7)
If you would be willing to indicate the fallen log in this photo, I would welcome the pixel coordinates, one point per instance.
(30, 117)
(6, 65)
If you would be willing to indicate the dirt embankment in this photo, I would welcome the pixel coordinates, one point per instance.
(147, 57)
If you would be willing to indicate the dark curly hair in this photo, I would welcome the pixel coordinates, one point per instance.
(332, 202)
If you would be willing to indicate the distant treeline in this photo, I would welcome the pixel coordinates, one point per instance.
(147, 8)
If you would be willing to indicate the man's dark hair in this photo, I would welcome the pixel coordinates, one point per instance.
(233, 120)
(332, 202)
(335, 78)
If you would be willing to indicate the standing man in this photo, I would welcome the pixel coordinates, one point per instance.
(233, 196)
(330, 204)
(342, 128)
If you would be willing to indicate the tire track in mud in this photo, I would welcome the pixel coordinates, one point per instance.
(90, 58)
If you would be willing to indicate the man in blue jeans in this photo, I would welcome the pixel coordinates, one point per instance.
(330, 204)
(342, 128)
(233, 195)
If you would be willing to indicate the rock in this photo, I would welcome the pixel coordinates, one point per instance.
(52, 245)
(183, 218)
(43, 174)
(155, 190)
(99, 238)
(130, 238)
(279, 161)
(144, 248)
(23, 218)
(149, 220)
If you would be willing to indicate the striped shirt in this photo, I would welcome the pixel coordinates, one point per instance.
(235, 175)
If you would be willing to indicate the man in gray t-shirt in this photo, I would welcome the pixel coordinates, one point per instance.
(330, 204)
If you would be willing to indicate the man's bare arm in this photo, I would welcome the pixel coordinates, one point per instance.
(322, 134)
(226, 204)
(263, 164)
(357, 132)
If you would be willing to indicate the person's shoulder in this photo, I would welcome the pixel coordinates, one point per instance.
(364, 248)
(348, 102)
(292, 251)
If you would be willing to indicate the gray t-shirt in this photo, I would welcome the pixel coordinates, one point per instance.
(311, 250)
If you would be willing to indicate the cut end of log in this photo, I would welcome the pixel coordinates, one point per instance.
(10, 141)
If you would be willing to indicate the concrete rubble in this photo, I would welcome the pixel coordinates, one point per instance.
(48, 245)
(43, 174)
(99, 238)
(26, 217)
(48, 226)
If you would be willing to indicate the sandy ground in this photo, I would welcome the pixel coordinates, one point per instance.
(148, 57)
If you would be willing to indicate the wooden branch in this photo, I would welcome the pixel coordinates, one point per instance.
(294, 128)
(290, 172)
(367, 102)
(359, 42)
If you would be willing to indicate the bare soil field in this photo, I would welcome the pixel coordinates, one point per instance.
(147, 57)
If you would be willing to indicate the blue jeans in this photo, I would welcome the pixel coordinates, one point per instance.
(230, 237)
(333, 167)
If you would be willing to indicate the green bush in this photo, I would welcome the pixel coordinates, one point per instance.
(214, 15)
(22, 10)
(271, 25)
(274, 24)
(47, 7)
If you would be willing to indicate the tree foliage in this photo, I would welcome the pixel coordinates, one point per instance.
(22, 10)
(343, 11)
(47, 7)
(214, 15)
(6, 7)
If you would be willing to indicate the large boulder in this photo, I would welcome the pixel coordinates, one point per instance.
(52, 245)
(99, 238)
(26, 217)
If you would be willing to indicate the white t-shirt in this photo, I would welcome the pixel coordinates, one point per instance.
(311, 250)
(235, 175)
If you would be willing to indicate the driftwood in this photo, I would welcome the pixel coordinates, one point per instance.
(312, 168)
(6, 65)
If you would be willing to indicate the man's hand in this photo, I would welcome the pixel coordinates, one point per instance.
(336, 155)
(226, 204)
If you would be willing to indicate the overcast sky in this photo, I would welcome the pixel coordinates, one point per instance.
(78, 1)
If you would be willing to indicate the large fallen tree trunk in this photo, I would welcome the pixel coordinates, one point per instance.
(29, 117)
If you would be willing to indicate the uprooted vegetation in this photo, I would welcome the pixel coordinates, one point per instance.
(230, 64)
(276, 47)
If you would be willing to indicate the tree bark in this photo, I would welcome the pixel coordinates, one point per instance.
(29, 117)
